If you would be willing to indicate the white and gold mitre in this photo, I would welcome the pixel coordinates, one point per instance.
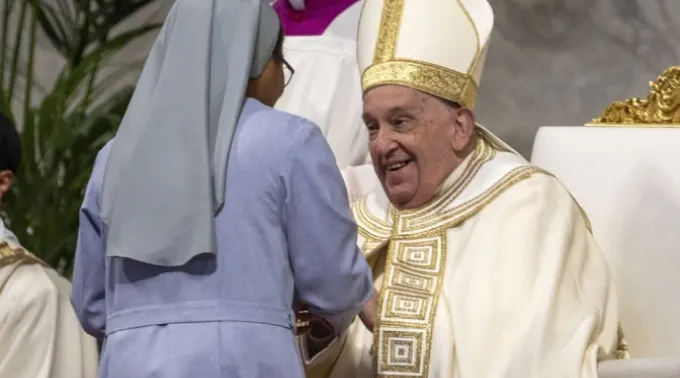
(436, 46)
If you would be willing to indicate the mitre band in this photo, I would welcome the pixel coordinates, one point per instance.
(429, 78)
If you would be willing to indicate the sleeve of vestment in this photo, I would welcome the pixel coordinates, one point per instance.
(28, 323)
(320, 355)
(331, 275)
(541, 301)
(40, 337)
(87, 293)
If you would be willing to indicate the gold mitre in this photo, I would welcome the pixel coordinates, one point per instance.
(436, 46)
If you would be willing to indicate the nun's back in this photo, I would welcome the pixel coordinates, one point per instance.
(230, 315)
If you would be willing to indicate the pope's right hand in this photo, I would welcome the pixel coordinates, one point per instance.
(368, 312)
(308, 323)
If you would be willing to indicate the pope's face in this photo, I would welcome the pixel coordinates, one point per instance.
(414, 141)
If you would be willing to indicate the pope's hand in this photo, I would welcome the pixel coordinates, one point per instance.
(307, 322)
(303, 318)
(368, 313)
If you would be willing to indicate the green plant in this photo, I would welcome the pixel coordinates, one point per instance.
(71, 122)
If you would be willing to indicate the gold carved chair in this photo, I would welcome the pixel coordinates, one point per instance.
(624, 170)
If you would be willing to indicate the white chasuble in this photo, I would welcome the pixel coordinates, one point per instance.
(40, 336)
(497, 277)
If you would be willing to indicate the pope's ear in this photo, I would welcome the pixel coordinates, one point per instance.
(465, 129)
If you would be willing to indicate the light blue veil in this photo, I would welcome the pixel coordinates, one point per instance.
(165, 175)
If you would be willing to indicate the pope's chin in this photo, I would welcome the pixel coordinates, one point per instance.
(400, 195)
(399, 185)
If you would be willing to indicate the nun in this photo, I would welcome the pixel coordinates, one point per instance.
(211, 215)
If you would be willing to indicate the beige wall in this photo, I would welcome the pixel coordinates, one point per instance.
(551, 62)
(561, 62)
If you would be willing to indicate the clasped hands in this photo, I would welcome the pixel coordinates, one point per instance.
(308, 323)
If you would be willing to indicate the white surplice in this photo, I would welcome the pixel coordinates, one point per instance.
(345, 25)
(497, 277)
(40, 336)
(326, 90)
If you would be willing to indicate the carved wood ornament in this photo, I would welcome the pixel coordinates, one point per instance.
(661, 108)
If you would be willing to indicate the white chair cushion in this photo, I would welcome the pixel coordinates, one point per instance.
(628, 182)
(640, 368)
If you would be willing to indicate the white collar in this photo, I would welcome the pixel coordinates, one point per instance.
(5, 233)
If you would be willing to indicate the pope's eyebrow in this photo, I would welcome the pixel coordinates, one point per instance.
(404, 110)
(399, 110)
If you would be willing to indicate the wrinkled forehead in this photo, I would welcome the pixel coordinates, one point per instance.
(386, 99)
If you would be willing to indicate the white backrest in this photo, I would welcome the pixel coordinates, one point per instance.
(627, 179)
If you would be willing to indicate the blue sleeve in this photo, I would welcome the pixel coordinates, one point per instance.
(331, 275)
(87, 292)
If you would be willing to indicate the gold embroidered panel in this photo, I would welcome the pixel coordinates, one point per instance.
(408, 304)
(661, 108)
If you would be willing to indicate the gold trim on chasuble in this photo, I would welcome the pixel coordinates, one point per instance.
(415, 266)
(9, 255)
(436, 80)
